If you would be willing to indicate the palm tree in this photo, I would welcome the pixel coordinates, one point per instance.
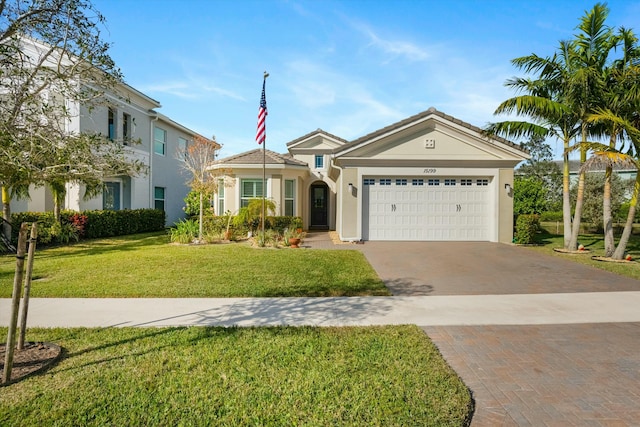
(621, 98)
(568, 88)
(545, 103)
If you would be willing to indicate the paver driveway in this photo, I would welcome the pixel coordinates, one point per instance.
(483, 268)
(536, 375)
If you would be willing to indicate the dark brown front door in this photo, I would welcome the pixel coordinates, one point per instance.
(319, 206)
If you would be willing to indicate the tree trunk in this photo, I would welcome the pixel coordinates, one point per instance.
(575, 229)
(566, 199)
(56, 206)
(15, 304)
(607, 220)
(6, 213)
(628, 226)
(27, 285)
(201, 216)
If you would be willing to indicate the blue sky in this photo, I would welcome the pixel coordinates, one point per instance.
(347, 67)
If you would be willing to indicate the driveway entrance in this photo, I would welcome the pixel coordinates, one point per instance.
(483, 268)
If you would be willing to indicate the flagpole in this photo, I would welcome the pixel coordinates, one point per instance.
(264, 155)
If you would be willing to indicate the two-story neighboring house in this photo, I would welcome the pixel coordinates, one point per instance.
(152, 138)
(428, 177)
(129, 117)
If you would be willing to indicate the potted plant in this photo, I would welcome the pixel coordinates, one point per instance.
(293, 237)
(296, 224)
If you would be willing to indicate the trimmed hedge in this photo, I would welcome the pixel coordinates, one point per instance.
(90, 224)
(551, 216)
(526, 228)
(118, 223)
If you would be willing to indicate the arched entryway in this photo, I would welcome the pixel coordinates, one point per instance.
(319, 206)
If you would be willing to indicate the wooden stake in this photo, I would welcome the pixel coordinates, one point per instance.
(27, 285)
(15, 303)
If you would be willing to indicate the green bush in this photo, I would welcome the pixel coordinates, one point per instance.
(551, 216)
(45, 221)
(184, 231)
(91, 224)
(118, 223)
(526, 228)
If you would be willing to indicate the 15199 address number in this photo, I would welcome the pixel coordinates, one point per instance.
(429, 170)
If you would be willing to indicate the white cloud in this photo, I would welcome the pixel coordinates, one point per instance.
(392, 48)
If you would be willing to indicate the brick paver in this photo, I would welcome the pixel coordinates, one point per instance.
(547, 375)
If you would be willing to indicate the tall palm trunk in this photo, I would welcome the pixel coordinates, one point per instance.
(628, 226)
(575, 229)
(566, 198)
(607, 218)
(577, 216)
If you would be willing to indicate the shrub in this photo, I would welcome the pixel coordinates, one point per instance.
(185, 231)
(526, 228)
(551, 216)
(45, 221)
(117, 223)
(91, 224)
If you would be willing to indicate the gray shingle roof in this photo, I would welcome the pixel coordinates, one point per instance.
(254, 157)
(317, 131)
(409, 120)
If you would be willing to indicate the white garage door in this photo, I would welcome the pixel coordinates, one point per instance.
(438, 208)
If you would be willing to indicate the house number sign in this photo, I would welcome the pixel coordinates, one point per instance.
(429, 170)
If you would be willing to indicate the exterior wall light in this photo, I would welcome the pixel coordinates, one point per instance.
(508, 188)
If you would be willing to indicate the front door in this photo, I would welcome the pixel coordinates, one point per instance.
(319, 206)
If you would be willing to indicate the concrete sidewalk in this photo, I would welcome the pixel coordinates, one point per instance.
(537, 309)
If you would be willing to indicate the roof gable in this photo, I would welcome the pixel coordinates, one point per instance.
(317, 140)
(431, 135)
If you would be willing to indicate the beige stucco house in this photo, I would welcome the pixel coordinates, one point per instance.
(428, 177)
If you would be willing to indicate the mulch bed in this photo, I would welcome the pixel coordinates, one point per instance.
(565, 251)
(607, 259)
(35, 357)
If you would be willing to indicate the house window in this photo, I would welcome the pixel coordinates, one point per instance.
(220, 196)
(159, 141)
(126, 128)
(417, 182)
(289, 197)
(401, 182)
(158, 198)
(112, 124)
(482, 182)
(385, 181)
(369, 181)
(182, 147)
(250, 189)
(319, 161)
(111, 196)
(433, 181)
(449, 182)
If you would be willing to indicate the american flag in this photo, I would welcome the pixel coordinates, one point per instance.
(261, 134)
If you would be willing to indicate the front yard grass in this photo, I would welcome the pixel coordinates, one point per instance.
(146, 265)
(595, 244)
(391, 376)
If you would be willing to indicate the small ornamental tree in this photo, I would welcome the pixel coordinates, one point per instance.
(197, 159)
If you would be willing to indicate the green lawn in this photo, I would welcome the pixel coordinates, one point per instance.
(376, 376)
(146, 265)
(595, 244)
